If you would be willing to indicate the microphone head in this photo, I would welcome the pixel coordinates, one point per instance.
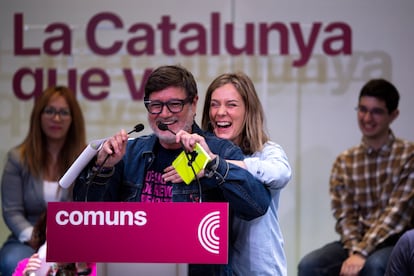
(163, 126)
(139, 127)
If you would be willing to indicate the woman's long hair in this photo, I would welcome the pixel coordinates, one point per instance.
(33, 150)
(253, 135)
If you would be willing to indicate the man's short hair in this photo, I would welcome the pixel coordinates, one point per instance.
(171, 76)
(382, 90)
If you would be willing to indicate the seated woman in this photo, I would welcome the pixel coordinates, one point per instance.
(29, 180)
(37, 265)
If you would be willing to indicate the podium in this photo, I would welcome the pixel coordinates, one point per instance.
(137, 232)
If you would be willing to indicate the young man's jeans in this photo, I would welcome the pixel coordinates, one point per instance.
(328, 261)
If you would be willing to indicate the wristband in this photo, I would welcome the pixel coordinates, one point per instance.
(211, 167)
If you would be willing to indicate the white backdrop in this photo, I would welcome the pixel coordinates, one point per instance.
(309, 107)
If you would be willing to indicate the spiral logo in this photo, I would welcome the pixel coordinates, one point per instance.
(206, 232)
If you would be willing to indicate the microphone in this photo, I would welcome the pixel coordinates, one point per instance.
(83, 159)
(191, 156)
(164, 127)
(139, 127)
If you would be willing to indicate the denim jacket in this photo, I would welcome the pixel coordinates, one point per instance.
(247, 197)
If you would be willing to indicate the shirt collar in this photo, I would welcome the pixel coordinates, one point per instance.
(384, 150)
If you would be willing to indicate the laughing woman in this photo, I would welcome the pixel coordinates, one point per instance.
(232, 110)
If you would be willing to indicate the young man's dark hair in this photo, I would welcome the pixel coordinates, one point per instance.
(384, 90)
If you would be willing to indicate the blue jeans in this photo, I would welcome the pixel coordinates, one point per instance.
(12, 252)
(401, 261)
(327, 261)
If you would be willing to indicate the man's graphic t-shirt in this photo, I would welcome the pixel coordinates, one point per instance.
(155, 189)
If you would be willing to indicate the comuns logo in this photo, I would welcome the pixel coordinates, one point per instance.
(206, 232)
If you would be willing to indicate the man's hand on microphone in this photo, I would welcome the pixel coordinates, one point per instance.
(113, 150)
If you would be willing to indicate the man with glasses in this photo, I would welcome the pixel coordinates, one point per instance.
(372, 192)
(134, 170)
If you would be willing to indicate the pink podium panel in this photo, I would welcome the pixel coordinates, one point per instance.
(137, 232)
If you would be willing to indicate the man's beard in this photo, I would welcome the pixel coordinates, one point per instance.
(169, 138)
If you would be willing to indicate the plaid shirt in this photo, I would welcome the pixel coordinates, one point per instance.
(372, 193)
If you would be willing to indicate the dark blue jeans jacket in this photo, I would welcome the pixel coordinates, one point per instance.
(247, 197)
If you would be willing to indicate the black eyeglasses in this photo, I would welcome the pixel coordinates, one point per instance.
(51, 112)
(174, 106)
(377, 112)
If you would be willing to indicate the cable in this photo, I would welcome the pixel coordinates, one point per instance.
(193, 156)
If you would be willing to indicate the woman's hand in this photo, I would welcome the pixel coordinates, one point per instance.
(171, 175)
(33, 264)
(189, 140)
